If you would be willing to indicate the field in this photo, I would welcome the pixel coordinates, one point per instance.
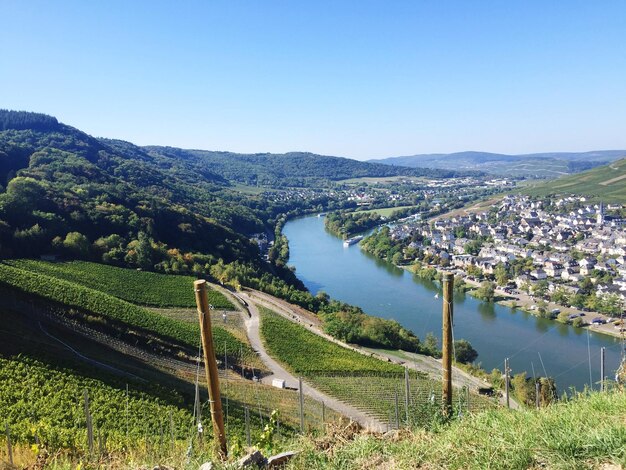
(365, 382)
(308, 354)
(112, 308)
(602, 183)
(137, 287)
(385, 212)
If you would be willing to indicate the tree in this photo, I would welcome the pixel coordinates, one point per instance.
(464, 351)
(540, 289)
(485, 292)
(77, 244)
(501, 274)
(145, 252)
(431, 345)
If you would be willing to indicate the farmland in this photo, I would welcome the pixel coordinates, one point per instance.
(308, 354)
(137, 287)
(111, 308)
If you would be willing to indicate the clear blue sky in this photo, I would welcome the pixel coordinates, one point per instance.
(360, 79)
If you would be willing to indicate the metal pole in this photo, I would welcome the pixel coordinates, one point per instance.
(602, 349)
(247, 418)
(446, 360)
(89, 423)
(537, 390)
(9, 448)
(301, 404)
(506, 381)
(397, 411)
(210, 365)
(407, 392)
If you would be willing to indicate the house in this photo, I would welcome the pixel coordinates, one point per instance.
(538, 274)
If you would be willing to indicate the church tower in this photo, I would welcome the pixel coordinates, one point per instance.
(600, 214)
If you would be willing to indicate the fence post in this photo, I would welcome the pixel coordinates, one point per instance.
(247, 418)
(301, 405)
(323, 414)
(537, 397)
(602, 349)
(9, 448)
(506, 381)
(397, 411)
(406, 394)
(89, 423)
(210, 366)
(446, 360)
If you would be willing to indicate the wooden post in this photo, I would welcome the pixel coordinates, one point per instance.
(210, 366)
(602, 349)
(89, 423)
(301, 404)
(506, 381)
(9, 448)
(446, 360)
(323, 414)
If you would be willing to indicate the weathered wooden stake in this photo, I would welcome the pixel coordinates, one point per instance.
(89, 423)
(323, 414)
(9, 448)
(446, 360)
(602, 349)
(210, 365)
(301, 404)
(172, 431)
(506, 381)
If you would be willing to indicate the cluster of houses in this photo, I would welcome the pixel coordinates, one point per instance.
(547, 237)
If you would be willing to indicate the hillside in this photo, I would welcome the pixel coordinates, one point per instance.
(296, 169)
(606, 183)
(537, 165)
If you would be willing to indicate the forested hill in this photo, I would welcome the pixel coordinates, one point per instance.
(65, 192)
(289, 169)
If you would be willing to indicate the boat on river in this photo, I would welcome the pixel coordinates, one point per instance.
(352, 241)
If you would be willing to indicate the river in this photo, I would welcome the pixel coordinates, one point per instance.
(496, 332)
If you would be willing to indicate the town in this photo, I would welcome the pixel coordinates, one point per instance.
(567, 251)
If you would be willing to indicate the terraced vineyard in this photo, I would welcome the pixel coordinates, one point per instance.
(76, 296)
(39, 400)
(308, 354)
(365, 382)
(137, 287)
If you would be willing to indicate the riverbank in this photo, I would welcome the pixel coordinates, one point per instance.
(527, 303)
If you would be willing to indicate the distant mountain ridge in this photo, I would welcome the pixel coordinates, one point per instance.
(542, 165)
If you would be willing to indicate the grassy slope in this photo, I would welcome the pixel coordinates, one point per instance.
(595, 183)
(138, 287)
(584, 433)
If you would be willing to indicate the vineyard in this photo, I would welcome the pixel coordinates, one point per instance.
(365, 382)
(308, 354)
(137, 287)
(46, 405)
(112, 308)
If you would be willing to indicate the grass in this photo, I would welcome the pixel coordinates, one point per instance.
(137, 287)
(385, 212)
(601, 183)
(587, 432)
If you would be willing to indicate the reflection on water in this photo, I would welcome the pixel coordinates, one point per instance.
(495, 331)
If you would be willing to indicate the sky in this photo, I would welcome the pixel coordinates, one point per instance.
(360, 79)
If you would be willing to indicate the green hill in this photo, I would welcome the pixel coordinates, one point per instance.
(606, 183)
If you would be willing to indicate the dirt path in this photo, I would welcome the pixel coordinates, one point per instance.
(252, 323)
